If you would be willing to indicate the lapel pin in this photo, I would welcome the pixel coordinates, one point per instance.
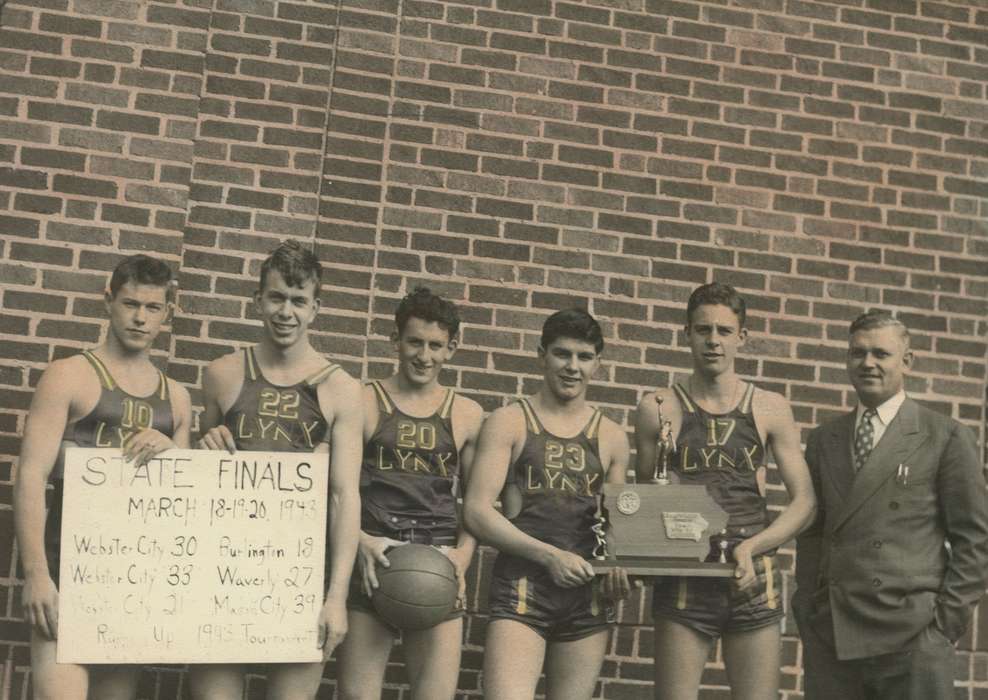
(902, 475)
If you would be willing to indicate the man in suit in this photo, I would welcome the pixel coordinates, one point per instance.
(889, 573)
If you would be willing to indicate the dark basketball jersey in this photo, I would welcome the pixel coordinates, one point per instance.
(723, 452)
(559, 480)
(118, 415)
(410, 471)
(272, 418)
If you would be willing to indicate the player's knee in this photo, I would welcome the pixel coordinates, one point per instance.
(50, 689)
(346, 691)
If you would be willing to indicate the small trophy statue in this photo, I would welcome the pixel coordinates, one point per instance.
(663, 448)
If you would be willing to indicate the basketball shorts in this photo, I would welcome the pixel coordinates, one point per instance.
(524, 591)
(358, 600)
(714, 606)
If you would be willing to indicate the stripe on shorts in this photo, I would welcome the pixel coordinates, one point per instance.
(522, 591)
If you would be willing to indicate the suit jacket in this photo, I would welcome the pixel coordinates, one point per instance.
(888, 556)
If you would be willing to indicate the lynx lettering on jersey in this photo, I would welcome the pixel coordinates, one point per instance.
(269, 417)
(724, 453)
(410, 469)
(563, 468)
(135, 415)
(718, 453)
(414, 451)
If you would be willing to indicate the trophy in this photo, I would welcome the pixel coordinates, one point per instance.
(663, 448)
(661, 528)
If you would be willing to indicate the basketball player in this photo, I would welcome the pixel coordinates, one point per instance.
(722, 428)
(550, 454)
(316, 405)
(419, 439)
(110, 396)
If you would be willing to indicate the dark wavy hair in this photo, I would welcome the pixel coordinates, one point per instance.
(714, 294)
(431, 308)
(143, 269)
(296, 264)
(572, 323)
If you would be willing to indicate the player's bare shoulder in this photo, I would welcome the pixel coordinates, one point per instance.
(222, 381)
(506, 424)
(340, 393)
(613, 441)
(467, 415)
(71, 380)
(180, 396)
(224, 371)
(771, 410)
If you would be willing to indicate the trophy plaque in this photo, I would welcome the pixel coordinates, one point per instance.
(661, 528)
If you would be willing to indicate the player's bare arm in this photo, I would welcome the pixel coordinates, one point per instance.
(782, 437)
(65, 393)
(468, 417)
(181, 404)
(340, 401)
(648, 427)
(221, 383)
(501, 441)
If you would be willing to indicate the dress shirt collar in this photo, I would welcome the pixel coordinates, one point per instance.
(886, 411)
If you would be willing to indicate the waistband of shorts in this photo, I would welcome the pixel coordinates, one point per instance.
(417, 535)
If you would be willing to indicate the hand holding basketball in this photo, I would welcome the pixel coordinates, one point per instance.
(461, 562)
(418, 590)
(370, 555)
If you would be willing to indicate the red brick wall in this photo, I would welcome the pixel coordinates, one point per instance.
(519, 155)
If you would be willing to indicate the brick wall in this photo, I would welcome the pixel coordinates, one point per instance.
(521, 156)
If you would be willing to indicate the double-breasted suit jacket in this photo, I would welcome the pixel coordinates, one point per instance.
(898, 546)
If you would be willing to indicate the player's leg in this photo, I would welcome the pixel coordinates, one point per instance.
(362, 657)
(432, 660)
(680, 655)
(513, 658)
(117, 682)
(752, 659)
(54, 681)
(216, 681)
(293, 681)
(572, 668)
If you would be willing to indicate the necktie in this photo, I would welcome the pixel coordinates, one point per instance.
(864, 439)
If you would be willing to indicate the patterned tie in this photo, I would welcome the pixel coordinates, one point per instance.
(864, 439)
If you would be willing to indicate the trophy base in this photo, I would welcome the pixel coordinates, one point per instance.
(664, 566)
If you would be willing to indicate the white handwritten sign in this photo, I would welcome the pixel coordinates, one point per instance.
(199, 556)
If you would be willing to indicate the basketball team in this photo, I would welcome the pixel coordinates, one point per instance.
(888, 505)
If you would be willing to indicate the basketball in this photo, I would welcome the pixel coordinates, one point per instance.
(418, 590)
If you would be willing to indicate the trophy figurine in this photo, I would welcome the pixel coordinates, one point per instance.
(663, 448)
